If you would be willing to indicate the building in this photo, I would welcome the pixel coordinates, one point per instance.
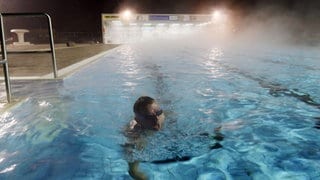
(127, 27)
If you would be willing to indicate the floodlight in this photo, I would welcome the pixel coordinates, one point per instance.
(126, 14)
(218, 16)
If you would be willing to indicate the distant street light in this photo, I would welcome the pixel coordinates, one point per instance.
(126, 15)
(218, 16)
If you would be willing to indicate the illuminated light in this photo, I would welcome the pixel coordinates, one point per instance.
(216, 14)
(189, 24)
(175, 24)
(126, 15)
(161, 24)
(133, 24)
(147, 24)
(118, 23)
(201, 24)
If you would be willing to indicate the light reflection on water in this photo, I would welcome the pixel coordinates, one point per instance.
(72, 129)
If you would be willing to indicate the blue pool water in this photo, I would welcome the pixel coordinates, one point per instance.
(266, 101)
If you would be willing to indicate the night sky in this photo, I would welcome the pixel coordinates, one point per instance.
(84, 15)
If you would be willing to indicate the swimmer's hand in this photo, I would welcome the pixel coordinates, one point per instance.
(135, 172)
(132, 124)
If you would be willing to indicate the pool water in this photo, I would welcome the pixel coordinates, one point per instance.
(266, 102)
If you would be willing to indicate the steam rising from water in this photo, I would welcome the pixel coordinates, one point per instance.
(267, 28)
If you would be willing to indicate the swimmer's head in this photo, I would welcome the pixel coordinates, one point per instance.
(148, 113)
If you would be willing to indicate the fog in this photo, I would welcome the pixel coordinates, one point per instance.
(275, 25)
(268, 28)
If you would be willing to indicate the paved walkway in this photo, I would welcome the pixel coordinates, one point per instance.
(40, 64)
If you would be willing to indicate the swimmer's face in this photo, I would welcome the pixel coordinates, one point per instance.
(156, 111)
(154, 114)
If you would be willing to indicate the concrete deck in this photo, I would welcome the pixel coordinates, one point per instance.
(40, 64)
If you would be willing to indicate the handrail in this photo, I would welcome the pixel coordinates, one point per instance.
(4, 61)
(52, 50)
(4, 52)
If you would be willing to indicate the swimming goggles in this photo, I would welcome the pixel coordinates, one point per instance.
(157, 113)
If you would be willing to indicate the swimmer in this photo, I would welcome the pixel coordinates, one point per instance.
(148, 116)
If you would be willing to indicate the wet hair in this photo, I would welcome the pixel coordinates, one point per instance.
(140, 108)
(141, 105)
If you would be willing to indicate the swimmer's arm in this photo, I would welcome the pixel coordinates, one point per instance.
(136, 141)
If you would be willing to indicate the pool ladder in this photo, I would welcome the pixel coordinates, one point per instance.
(4, 59)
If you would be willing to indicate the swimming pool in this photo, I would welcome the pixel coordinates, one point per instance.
(266, 101)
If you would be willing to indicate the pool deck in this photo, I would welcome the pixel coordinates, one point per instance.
(28, 65)
(35, 66)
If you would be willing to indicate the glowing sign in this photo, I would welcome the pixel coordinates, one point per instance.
(159, 18)
(174, 18)
(111, 17)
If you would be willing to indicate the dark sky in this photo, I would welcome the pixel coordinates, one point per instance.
(149, 6)
(198, 6)
(84, 15)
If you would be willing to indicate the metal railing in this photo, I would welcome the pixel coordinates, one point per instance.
(4, 60)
